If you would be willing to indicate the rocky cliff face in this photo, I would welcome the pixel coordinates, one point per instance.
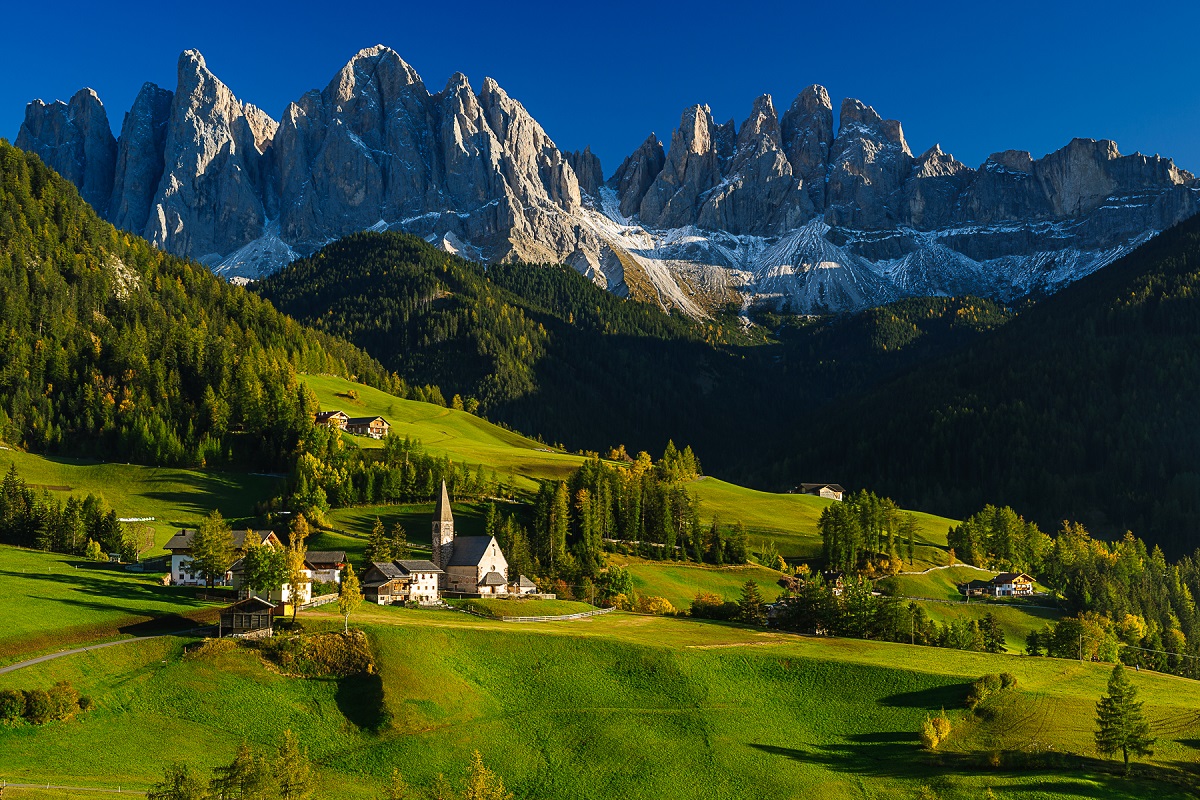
(75, 140)
(787, 211)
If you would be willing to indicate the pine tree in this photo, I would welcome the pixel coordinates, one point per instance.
(293, 770)
(378, 546)
(400, 549)
(179, 783)
(750, 607)
(482, 783)
(247, 777)
(350, 596)
(559, 525)
(1121, 727)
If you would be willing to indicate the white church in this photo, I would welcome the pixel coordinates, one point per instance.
(462, 566)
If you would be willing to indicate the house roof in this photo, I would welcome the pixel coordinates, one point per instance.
(388, 569)
(364, 420)
(492, 579)
(810, 487)
(250, 601)
(1009, 577)
(324, 415)
(469, 550)
(443, 513)
(182, 540)
(325, 556)
(525, 583)
(417, 566)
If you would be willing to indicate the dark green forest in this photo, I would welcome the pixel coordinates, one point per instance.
(112, 349)
(544, 350)
(1086, 407)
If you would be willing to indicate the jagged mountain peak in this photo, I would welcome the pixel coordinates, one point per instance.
(781, 209)
(763, 121)
(813, 98)
(857, 113)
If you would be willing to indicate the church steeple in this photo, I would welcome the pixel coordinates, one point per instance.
(442, 545)
(443, 513)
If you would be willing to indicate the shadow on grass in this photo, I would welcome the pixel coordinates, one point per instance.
(360, 699)
(953, 695)
(896, 756)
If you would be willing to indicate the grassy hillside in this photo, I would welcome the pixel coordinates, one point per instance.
(616, 706)
(176, 498)
(680, 583)
(937, 584)
(50, 601)
(790, 521)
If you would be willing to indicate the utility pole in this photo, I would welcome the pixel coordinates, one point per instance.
(1081, 648)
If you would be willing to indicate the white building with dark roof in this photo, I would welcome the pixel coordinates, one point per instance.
(180, 547)
(404, 581)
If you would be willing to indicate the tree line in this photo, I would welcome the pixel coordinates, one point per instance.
(75, 527)
(868, 534)
(852, 608)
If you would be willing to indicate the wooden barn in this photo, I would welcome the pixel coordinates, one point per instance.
(247, 616)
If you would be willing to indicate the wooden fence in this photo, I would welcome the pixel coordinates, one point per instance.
(581, 615)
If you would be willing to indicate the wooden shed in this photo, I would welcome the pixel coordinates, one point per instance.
(247, 616)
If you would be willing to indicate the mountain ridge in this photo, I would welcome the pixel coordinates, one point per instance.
(783, 212)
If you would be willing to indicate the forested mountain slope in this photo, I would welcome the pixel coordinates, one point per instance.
(1085, 407)
(114, 349)
(546, 351)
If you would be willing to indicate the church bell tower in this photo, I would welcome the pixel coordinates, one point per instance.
(443, 530)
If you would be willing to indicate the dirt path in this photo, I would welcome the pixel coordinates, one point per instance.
(51, 656)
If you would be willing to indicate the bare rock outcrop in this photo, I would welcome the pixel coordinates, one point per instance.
(210, 199)
(637, 173)
(75, 140)
(140, 155)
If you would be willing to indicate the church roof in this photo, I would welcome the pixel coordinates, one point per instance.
(443, 513)
(492, 579)
(417, 566)
(469, 550)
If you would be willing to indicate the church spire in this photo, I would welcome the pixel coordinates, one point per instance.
(443, 513)
(442, 545)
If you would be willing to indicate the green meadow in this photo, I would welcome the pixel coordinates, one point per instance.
(50, 601)
(613, 706)
(176, 498)
(680, 583)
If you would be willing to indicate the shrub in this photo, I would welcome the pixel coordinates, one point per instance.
(324, 587)
(86, 703)
(321, 655)
(941, 724)
(987, 686)
(707, 605)
(929, 734)
(12, 705)
(38, 707)
(64, 700)
(655, 605)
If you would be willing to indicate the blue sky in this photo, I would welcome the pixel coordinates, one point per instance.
(976, 77)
